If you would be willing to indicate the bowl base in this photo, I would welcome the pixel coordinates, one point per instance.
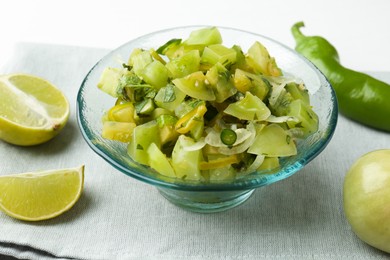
(206, 202)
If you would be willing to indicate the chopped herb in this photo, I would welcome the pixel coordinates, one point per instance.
(128, 67)
(267, 82)
(225, 74)
(139, 94)
(169, 94)
(299, 125)
(150, 93)
(227, 64)
(129, 80)
(145, 107)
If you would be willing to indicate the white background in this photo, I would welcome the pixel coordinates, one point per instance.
(359, 29)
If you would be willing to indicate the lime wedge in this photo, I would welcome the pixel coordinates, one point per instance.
(40, 195)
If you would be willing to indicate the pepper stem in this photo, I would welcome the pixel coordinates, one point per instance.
(296, 32)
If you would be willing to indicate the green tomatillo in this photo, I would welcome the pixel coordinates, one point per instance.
(367, 198)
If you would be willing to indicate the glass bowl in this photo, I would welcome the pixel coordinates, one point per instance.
(207, 197)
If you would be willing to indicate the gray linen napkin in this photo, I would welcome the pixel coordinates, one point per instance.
(118, 217)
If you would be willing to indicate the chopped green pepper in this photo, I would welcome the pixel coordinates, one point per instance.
(228, 136)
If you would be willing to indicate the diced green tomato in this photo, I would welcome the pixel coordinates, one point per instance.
(159, 161)
(246, 81)
(191, 105)
(168, 134)
(269, 163)
(204, 36)
(273, 141)
(260, 60)
(186, 106)
(138, 94)
(221, 81)
(118, 131)
(143, 136)
(167, 131)
(145, 107)
(192, 122)
(240, 60)
(241, 81)
(109, 81)
(219, 53)
(212, 74)
(134, 53)
(140, 60)
(158, 111)
(249, 108)
(298, 92)
(273, 68)
(195, 85)
(122, 113)
(183, 49)
(259, 127)
(166, 119)
(155, 74)
(129, 79)
(197, 129)
(308, 119)
(260, 88)
(218, 167)
(169, 97)
(184, 65)
(156, 56)
(218, 160)
(225, 173)
(186, 163)
(281, 106)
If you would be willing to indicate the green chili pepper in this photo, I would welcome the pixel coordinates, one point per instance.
(228, 136)
(360, 96)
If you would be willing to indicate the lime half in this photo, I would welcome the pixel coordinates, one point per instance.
(32, 110)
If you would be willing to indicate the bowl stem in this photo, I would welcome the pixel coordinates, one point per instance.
(206, 201)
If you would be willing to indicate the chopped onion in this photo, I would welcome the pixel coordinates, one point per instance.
(278, 84)
(196, 146)
(296, 132)
(283, 80)
(276, 91)
(255, 165)
(213, 138)
(281, 119)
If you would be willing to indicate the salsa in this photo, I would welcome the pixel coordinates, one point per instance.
(198, 110)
